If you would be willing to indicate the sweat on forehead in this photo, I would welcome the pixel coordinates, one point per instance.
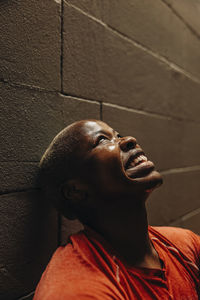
(87, 128)
(82, 127)
(73, 133)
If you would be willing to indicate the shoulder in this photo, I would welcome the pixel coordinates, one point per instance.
(70, 276)
(178, 235)
(185, 240)
(170, 231)
(67, 261)
(65, 269)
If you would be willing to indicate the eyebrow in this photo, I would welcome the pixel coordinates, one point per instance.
(104, 132)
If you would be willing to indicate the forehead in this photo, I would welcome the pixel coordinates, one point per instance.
(91, 128)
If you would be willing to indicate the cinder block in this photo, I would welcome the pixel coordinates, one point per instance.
(79, 109)
(176, 223)
(168, 143)
(15, 176)
(183, 98)
(28, 226)
(112, 69)
(178, 195)
(27, 297)
(141, 21)
(30, 43)
(30, 119)
(188, 11)
(10, 287)
(69, 227)
(192, 221)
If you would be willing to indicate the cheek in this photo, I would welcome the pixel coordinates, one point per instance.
(108, 156)
(112, 148)
(104, 161)
(108, 165)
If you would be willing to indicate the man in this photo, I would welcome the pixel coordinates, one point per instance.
(92, 173)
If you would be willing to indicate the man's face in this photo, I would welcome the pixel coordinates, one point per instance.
(113, 165)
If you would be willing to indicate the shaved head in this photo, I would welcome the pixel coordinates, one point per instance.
(57, 164)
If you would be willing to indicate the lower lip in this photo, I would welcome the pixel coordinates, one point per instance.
(140, 170)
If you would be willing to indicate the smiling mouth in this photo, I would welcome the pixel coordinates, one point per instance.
(136, 161)
(138, 166)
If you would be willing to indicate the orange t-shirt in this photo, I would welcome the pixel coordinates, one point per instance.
(87, 268)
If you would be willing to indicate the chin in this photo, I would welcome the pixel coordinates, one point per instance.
(149, 182)
(154, 182)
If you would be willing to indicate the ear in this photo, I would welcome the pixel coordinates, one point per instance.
(75, 193)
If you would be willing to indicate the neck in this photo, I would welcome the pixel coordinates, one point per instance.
(126, 230)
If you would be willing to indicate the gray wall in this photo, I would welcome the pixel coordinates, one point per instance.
(136, 65)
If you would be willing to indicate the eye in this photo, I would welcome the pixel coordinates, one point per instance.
(100, 140)
(119, 136)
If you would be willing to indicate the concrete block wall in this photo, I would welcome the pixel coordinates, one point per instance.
(134, 64)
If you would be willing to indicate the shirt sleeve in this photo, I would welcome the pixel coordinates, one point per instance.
(185, 240)
(195, 240)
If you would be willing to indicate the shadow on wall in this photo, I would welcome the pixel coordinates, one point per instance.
(29, 239)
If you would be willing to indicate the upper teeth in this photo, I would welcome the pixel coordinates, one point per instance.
(137, 160)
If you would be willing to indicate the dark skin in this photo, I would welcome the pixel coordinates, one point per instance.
(109, 191)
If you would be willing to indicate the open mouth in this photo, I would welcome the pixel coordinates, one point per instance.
(138, 159)
(138, 165)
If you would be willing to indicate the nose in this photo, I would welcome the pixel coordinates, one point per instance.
(127, 143)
